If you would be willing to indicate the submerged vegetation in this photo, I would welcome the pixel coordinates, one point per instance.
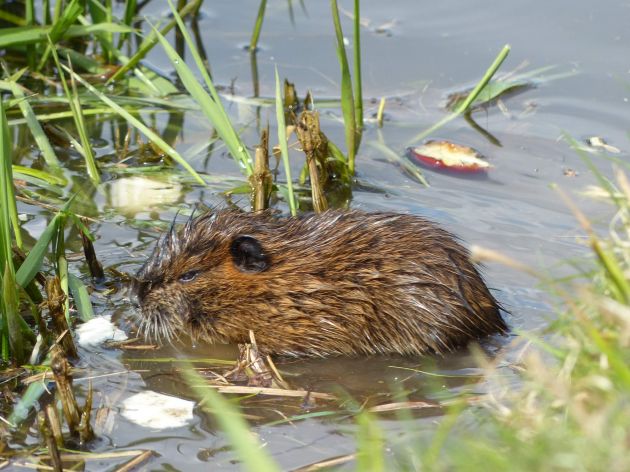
(67, 71)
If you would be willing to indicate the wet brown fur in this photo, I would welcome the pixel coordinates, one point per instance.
(338, 283)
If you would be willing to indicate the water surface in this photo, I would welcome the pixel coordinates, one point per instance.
(414, 54)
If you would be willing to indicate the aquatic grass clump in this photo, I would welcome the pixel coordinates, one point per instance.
(573, 409)
(210, 103)
(85, 147)
(11, 339)
(17, 338)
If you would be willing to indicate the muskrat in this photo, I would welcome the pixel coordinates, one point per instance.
(336, 283)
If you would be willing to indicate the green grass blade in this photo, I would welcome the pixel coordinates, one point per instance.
(79, 121)
(6, 252)
(69, 15)
(130, 11)
(407, 166)
(31, 121)
(150, 41)
(210, 108)
(7, 196)
(253, 44)
(81, 297)
(243, 154)
(33, 262)
(484, 80)
(101, 12)
(11, 315)
(370, 444)
(358, 84)
(12, 37)
(29, 17)
(613, 270)
(10, 319)
(284, 148)
(247, 448)
(11, 18)
(210, 105)
(62, 265)
(347, 95)
(41, 175)
(472, 96)
(151, 135)
(27, 401)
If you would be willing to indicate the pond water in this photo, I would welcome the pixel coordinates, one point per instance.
(414, 54)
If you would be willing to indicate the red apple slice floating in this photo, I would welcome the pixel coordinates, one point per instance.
(443, 155)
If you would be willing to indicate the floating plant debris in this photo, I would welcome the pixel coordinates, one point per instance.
(157, 411)
(447, 156)
(599, 143)
(98, 330)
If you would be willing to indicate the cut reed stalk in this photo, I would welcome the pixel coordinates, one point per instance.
(315, 147)
(261, 180)
(51, 445)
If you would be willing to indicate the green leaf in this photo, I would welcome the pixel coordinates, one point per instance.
(284, 149)
(210, 105)
(10, 315)
(150, 41)
(31, 121)
(347, 95)
(33, 262)
(8, 210)
(358, 85)
(40, 174)
(253, 43)
(27, 401)
(11, 37)
(69, 15)
(370, 444)
(79, 121)
(81, 297)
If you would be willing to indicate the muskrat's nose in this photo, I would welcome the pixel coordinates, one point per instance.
(134, 297)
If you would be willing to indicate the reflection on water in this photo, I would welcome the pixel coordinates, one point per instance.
(414, 55)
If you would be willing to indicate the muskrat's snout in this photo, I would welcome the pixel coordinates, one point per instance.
(133, 292)
(138, 290)
(153, 318)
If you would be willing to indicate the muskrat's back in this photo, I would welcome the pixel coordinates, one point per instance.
(342, 282)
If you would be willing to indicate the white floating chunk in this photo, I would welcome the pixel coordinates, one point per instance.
(136, 194)
(98, 330)
(157, 411)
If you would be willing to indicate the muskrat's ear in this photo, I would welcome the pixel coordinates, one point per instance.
(248, 255)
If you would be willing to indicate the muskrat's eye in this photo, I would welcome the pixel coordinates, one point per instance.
(189, 276)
